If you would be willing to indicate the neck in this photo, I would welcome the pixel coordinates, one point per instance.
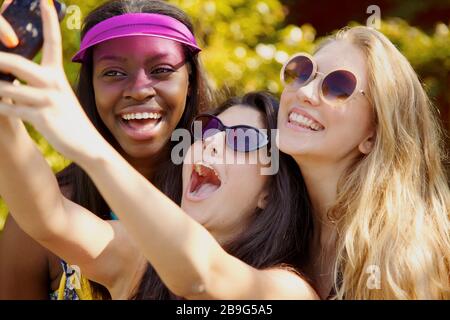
(321, 182)
(321, 179)
(144, 166)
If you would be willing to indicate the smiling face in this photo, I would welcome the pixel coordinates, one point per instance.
(220, 192)
(140, 85)
(310, 128)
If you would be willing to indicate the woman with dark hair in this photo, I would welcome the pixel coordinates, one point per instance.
(136, 87)
(266, 226)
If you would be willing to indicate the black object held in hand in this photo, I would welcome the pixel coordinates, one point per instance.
(24, 16)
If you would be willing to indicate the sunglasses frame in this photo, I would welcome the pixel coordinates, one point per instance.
(226, 129)
(313, 75)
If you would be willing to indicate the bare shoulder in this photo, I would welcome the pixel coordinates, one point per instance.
(288, 284)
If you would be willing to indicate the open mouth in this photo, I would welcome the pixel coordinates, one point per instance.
(141, 120)
(299, 120)
(140, 125)
(204, 181)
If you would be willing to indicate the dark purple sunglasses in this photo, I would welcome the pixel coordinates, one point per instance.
(240, 138)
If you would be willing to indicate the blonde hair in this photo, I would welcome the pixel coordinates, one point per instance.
(392, 209)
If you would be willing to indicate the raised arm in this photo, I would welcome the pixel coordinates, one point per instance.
(101, 249)
(185, 255)
(24, 267)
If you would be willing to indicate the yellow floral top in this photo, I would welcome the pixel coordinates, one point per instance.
(73, 285)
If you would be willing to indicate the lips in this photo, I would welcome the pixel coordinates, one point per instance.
(301, 120)
(140, 129)
(205, 181)
(140, 122)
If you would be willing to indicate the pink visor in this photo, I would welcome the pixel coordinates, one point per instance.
(137, 24)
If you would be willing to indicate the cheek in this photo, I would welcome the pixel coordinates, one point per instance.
(349, 129)
(247, 182)
(287, 97)
(187, 170)
(174, 94)
(105, 97)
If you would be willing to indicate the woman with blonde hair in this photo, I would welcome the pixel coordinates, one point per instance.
(364, 134)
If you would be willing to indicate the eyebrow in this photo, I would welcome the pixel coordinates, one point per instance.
(111, 57)
(123, 59)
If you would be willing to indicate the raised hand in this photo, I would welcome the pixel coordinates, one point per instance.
(47, 100)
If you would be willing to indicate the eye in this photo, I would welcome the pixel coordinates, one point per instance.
(161, 71)
(113, 73)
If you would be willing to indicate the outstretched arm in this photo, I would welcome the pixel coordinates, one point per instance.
(101, 249)
(185, 255)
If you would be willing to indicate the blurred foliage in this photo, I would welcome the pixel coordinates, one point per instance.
(246, 42)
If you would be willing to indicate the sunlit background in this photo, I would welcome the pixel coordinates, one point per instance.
(246, 41)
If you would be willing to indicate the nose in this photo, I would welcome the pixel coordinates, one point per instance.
(213, 145)
(309, 94)
(140, 87)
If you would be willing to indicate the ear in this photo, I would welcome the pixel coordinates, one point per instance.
(366, 146)
(262, 199)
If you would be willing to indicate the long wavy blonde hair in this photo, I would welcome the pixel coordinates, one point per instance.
(392, 210)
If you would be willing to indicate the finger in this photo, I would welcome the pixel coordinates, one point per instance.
(5, 4)
(8, 100)
(10, 110)
(52, 49)
(23, 95)
(22, 68)
(7, 34)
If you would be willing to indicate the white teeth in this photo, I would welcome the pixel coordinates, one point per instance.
(199, 166)
(198, 169)
(298, 118)
(140, 116)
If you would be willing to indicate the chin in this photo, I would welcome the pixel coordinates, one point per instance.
(197, 211)
(143, 150)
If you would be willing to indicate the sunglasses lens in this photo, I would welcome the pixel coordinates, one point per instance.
(297, 71)
(338, 86)
(245, 139)
(207, 127)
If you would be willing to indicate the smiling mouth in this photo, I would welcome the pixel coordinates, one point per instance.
(204, 182)
(142, 120)
(304, 122)
(140, 125)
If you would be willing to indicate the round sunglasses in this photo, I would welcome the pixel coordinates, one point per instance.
(336, 87)
(240, 138)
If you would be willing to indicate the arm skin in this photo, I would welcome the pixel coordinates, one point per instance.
(24, 264)
(185, 255)
(101, 249)
(24, 267)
